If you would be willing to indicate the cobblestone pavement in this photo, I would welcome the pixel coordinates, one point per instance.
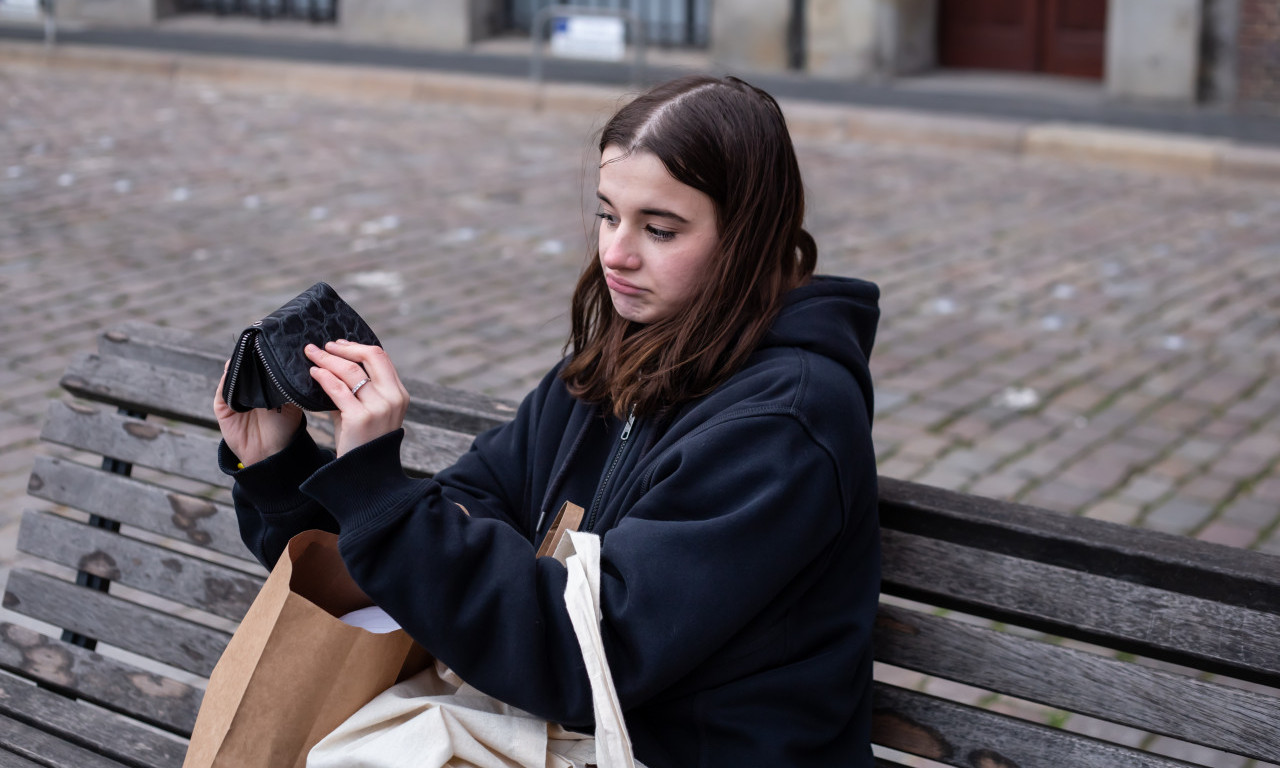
(1088, 339)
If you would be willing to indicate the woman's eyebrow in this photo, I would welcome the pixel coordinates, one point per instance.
(659, 212)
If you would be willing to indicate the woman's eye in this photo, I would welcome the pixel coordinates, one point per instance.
(607, 218)
(661, 235)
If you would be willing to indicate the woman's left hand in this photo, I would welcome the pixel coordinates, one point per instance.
(364, 385)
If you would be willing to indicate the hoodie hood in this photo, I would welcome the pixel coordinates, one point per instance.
(835, 317)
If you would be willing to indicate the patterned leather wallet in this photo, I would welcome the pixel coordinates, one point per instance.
(269, 368)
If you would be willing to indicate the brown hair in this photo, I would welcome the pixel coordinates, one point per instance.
(728, 140)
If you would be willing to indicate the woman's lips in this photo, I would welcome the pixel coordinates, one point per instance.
(622, 286)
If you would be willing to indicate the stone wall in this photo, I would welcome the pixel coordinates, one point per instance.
(751, 35)
(1258, 54)
(1153, 50)
(859, 39)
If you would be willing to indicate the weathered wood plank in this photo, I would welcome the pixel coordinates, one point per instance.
(178, 642)
(160, 701)
(1177, 563)
(182, 516)
(133, 502)
(427, 450)
(456, 409)
(165, 572)
(434, 404)
(169, 347)
(188, 397)
(143, 387)
(1228, 719)
(45, 749)
(91, 728)
(1151, 622)
(9, 759)
(965, 737)
(102, 430)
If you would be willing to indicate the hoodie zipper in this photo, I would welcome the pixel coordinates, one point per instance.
(618, 453)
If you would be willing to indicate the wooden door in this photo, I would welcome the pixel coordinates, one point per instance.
(1065, 37)
(988, 34)
(1074, 37)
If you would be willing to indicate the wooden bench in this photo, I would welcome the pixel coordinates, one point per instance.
(137, 553)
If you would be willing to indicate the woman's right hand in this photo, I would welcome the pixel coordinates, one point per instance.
(254, 435)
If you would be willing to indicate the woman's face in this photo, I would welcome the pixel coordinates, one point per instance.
(657, 235)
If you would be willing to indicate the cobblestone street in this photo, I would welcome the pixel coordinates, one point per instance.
(1080, 337)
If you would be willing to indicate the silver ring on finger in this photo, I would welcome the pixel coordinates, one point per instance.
(358, 385)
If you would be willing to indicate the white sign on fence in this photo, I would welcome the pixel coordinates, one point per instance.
(20, 9)
(587, 37)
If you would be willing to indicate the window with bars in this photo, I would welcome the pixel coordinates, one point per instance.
(313, 10)
(666, 22)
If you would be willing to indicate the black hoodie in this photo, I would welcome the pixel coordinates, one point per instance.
(740, 560)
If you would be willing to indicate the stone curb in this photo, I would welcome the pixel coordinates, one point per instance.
(1147, 150)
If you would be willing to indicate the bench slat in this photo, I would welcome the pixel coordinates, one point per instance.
(187, 397)
(160, 701)
(1212, 571)
(104, 431)
(49, 750)
(170, 574)
(133, 502)
(142, 387)
(91, 728)
(963, 736)
(434, 404)
(1150, 622)
(427, 450)
(169, 639)
(9, 759)
(1229, 719)
(168, 347)
(185, 391)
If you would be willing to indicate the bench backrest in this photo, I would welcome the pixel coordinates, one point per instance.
(138, 555)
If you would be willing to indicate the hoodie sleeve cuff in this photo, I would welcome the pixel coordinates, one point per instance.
(365, 483)
(272, 485)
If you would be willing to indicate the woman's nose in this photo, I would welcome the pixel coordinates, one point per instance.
(619, 250)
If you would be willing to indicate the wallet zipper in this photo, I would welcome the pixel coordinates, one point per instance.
(237, 360)
(257, 345)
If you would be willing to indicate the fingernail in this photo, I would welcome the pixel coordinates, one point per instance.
(309, 347)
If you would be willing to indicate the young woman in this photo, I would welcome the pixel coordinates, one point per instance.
(713, 418)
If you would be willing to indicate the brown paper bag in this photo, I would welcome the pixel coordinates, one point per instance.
(293, 671)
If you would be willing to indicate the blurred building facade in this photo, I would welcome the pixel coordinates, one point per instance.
(1183, 51)
(1259, 53)
(1223, 52)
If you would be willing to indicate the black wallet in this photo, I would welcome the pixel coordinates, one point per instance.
(268, 367)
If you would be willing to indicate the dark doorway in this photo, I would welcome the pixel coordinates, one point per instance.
(1061, 37)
